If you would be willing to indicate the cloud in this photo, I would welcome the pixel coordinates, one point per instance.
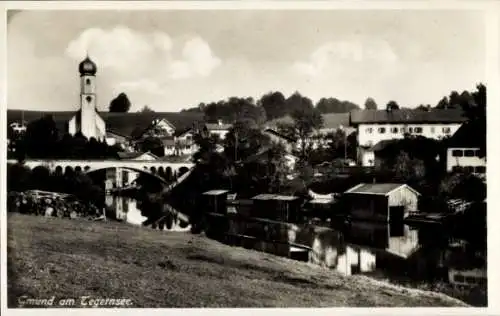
(197, 60)
(131, 53)
(338, 54)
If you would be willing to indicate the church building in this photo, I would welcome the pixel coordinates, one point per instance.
(87, 120)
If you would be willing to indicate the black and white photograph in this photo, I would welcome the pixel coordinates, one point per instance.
(241, 157)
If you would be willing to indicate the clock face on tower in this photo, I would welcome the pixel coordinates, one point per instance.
(88, 98)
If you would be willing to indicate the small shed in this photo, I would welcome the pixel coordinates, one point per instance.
(387, 202)
(215, 201)
(279, 207)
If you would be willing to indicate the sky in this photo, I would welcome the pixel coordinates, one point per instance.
(171, 60)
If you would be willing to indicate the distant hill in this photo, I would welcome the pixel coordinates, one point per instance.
(122, 123)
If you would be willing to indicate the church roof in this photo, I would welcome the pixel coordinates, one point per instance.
(87, 67)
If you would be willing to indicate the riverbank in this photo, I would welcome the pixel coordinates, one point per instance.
(73, 258)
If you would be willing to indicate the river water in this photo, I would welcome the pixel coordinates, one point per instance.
(125, 209)
(396, 252)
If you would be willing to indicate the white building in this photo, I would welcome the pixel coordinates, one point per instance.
(184, 142)
(463, 152)
(18, 127)
(87, 120)
(374, 126)
(220, 129)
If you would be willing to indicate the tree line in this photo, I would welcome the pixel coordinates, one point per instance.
(21, 178)
(43, 140)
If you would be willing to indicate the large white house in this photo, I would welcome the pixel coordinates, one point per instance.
(374, 126)
(464, 149)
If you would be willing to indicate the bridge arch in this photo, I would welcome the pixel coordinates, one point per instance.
(143, 171)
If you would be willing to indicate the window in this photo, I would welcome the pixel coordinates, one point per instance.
(457, 153)
(477, 153)
(394, 130)
(433, 130)
(469, 169)
(369, 130)
(481, 280)
(471, 280)
(87, 81)
(459, 278)
(469, 153)
(446, 130)
(88, 98)
(410, 129)
(480, 169)
(381, 130)
(456, 169)
(418, 130)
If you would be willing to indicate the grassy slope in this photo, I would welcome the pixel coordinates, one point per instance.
(50, 256)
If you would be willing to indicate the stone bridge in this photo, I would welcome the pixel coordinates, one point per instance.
(152, 167)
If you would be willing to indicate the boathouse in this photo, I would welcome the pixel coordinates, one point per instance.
(215, 201)
(278, 207)
(385, 202)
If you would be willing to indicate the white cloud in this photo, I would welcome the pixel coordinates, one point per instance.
(334, 55)
(197, 60)
(131, 53)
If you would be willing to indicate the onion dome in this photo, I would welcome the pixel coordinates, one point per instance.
(87, 67)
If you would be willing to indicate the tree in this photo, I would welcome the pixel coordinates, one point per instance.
(463, 186)
(146, 109)
(306, 120)
(274, 104)
(443, 103)
(408, 169)
(120, 104)
(392, 105)
(370, 104)
(342, 145)
(333, 105)
(298, 102)
(243, 140)
(234, 109)
(154, 145)
(18, 177)
(41, 137)
(425, 108)
(478, 108)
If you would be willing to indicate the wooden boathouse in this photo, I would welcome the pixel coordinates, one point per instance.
(384, 202)
(284, 208)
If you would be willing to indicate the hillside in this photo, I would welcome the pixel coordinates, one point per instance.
(64, 258)
(122, 123)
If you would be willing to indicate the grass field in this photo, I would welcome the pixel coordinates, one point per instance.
(71, 258)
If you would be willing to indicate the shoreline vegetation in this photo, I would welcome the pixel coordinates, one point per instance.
(110, 259)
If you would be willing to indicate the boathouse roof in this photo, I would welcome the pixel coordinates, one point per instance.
(266, 196)
(215, 192)
(378, 188)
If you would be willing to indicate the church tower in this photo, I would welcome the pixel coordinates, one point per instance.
(87, 71)
(87, 120)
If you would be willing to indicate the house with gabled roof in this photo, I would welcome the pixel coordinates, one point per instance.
(374, 126)
(385, 202)
(220, 129)
(466, 149)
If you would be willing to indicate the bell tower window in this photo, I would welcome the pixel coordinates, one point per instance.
(87, 81)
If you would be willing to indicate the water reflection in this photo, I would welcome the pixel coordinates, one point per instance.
(126, 209)
(429, 253)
